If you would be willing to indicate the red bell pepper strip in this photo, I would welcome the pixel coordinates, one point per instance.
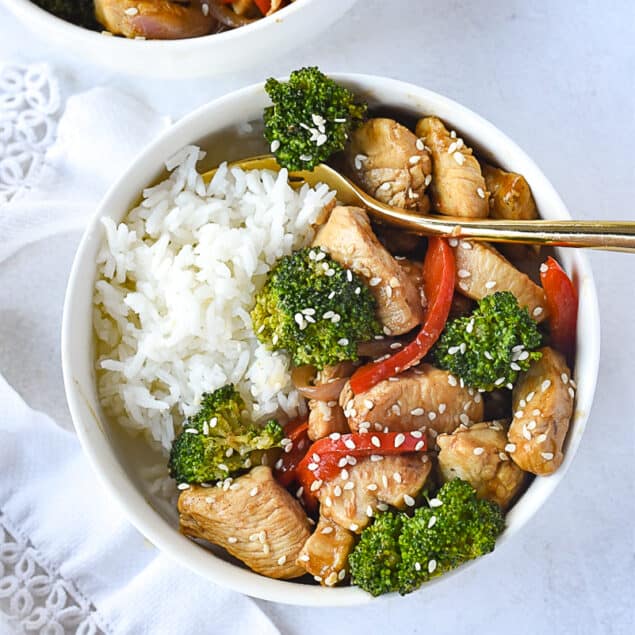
(328, 456)
(297, 433)
(438, 284)
(562, 304)
(264, 6)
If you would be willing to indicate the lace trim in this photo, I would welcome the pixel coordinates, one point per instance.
(35, 599)
(30, 105)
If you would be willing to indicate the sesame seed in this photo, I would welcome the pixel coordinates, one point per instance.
(350, 444)
(464, 419)
(328, 502)
(337, 491)
(417, 412)
(183, 486)
(342, 462)
(453, 134)
(452, 380)
(419, 446)
(442, 408)
(480, 192)
(463, 273)
(432, 522)
(341, 575)
(417, 566)
(428, 179)
(385, 186)
(543, 267)
(275, 145)
(343, 341)
(399, 439)
(499, 381)
(306, 157)
(315, 486)
(547, 456)
(299, 492)
(408, 500)
(432, 565)
(191, 430)
(488, 355)
(131, 11)
(334, 435)
(353, 526)
(372, 487)
(432, 415)
(571, 392)
(397, 477)
(565, 378)
(530, 396)
(545, 384)
(359, 160)
(382, 507)
(452, 147)
(519, 413)
(453, 350)
(373, 282)
(304, 557)
(453, 242)
(526, 434)
(541, 438)
(312, 467)
(262, 536)
(369, 511)
(253, 491)
(531, 425)
(376, 457)
(222, 466)
(349, 485)
(414, 159)
(510, 447)
(419, 144)
(375, 441)
(327, 530)
(478, 451)
(331, 579)
(344, 473)
(282, 560)
(459, 158)
(537, 311)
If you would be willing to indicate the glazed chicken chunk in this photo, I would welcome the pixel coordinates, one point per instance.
(154, 19)
(542, 402)
(386, 160)
(256, 520)
(325, 553)
(422, 397)
(349, 239)
(481, 270)
(326, 417)
(510, 195)
(352, 498)
(477, 454)
(458, 187)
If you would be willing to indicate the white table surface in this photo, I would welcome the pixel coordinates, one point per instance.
(559, 78)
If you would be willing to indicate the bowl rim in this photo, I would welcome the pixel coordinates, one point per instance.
(42, 17)
(148, 521)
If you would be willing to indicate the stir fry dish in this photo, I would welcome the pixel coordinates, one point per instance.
(386, 398)
(161, 19)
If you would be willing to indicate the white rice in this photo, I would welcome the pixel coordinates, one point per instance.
(176, 284)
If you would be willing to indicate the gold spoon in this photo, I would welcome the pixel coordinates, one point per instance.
(607, 235)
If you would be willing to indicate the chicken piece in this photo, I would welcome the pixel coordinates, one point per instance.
(386, 160)
(154, 19)
(326, 417)
(477, 455)
(510, 195)
(422, 397)
(458, 187)
(325, 553)
(543, 404)
(414, 271)
(352, 498)
(481, 271)
(349, 239)
(256, 520)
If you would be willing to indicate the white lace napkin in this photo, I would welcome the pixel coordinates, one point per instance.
(69, 561)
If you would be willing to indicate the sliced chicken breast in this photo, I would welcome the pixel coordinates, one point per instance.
(349, 239)
(458, 187)
(325, 553)
(373, 483)
(481, 271)
(326, 417)
(386, 160)
(422, 397)
(543, 405)
(255, 519)
(477, 455)
(510, 195)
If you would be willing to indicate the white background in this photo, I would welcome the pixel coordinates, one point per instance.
(558, 77)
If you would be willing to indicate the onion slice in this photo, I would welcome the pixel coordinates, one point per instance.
(302, 376)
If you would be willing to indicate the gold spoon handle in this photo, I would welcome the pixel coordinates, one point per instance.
(606, 235)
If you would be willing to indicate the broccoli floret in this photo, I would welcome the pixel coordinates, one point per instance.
(311, 118)
(80, 12)
(488, 348)
(315, 309)
(400, 552)
(216, 442)
(437, 539)
(376, 559)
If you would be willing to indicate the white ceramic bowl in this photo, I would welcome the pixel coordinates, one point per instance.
(118, 458)
(229, 51)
